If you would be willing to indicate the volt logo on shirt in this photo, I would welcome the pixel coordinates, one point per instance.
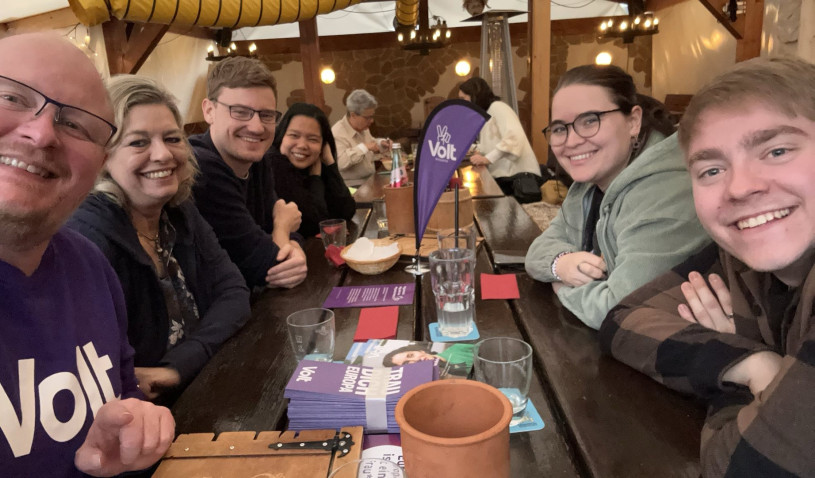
(91, 369)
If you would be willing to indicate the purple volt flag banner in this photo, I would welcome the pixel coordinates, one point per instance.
(447, 135)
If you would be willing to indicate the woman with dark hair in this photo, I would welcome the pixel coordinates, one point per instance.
(629, 215)
(305, 170)
(506, 150)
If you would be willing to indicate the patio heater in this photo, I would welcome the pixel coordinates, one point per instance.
(496, 53)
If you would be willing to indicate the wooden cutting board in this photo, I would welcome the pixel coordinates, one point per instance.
(247, 455)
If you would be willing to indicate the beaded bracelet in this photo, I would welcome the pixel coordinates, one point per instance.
(554, 265)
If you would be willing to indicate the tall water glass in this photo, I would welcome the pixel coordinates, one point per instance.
(452, 274)
(506, 364)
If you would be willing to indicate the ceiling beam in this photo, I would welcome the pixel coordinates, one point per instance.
(129, 44)
(62, 18)
(735, 28)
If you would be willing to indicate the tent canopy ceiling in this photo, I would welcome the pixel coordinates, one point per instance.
(367, 17)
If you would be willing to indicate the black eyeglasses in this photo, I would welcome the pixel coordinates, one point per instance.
(69, 120)
(585, 125)
(244, 113)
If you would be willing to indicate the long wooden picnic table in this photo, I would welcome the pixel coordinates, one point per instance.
(601, 418)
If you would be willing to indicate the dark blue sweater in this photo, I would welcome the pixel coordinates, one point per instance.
(215, 283)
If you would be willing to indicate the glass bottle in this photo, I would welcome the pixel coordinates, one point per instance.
(399, 175)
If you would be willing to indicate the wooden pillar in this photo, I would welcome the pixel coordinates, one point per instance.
(310, 56)
(540, 44)
(749, 46)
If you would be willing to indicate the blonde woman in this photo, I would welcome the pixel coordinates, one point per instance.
(184, 296)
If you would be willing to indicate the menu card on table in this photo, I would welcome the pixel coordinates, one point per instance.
(370, 295)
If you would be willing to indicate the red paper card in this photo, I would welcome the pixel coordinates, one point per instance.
(499, 286)
(377, 323)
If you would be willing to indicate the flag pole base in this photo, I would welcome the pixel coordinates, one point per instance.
(417, 268)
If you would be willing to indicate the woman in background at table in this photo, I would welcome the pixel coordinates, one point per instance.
(304, 168)
(184, 296)
(506, 150)
(629, 215)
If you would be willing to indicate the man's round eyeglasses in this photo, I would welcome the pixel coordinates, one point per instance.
(244, 113)
(585, 125)
(19, 98)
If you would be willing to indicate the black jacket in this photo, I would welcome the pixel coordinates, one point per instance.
(216, 284)
(318, 197)
(239, 210)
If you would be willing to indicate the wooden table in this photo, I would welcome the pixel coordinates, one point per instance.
(602, 419)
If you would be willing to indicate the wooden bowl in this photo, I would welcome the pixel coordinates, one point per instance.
(376, 266)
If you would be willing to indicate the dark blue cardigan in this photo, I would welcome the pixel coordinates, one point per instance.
(218, 287)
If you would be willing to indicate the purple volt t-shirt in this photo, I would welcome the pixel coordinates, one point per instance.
(63, 353)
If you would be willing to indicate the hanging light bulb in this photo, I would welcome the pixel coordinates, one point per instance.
(253, 48)
(623, 26)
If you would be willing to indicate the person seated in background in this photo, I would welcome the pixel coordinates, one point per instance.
(184, 296)
(507, 153)
(305, 171)
(69, 402)
(733, 325)
(235, 191)
(629, 215)
(356, 147)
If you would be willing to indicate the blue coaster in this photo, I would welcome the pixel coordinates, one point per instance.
(530, 421)
(435, 336)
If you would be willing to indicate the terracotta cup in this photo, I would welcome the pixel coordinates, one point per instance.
(455, 428)
(399, 209)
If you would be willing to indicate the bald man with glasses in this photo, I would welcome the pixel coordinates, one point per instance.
(69, 403)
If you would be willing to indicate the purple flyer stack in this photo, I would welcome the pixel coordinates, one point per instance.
(332, 395)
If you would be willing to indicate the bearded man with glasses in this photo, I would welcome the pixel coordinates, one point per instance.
(235, 192)
(69, 402)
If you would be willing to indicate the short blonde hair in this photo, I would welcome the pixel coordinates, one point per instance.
(783, 84)
(127, 92)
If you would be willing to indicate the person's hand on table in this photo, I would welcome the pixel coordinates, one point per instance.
(580, 268)
(291, 269)
(126, 435)
(710, 308)
(478, 159)
(155, 380)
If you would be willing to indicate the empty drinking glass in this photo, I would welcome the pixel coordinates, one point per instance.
(506, 364)
(311, 332)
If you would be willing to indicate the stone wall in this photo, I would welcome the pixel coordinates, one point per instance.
(634, 57)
